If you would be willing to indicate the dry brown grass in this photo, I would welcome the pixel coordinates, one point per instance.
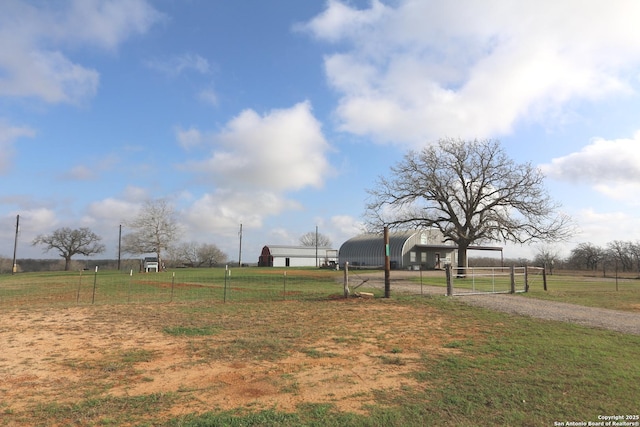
(218, 357)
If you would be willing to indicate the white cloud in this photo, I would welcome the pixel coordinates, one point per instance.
(179, 64)
(601, 228)
(133, 193)
(90, 172)
(346, 226)
(32, 58)
(8, 134)
(107, 23)
(188, 138)
(339, 20)
(112, 211)
(421, 70)
(279, 151)
(223, 211)
(208, 96)
(37, 221)
(80, 173)
(612, 167)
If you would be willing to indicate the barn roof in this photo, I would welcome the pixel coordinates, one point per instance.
(299, 251)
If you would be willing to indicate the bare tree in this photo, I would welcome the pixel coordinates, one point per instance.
(210, 255)
(472, 192)
(634, 252)
(587, 255)
(547, 257)
(154, 229)
(183, 254)
(309, 239)
(620, 253)
(197, 255)
(70, 242)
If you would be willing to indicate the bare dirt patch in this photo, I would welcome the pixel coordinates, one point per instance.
(277, 355)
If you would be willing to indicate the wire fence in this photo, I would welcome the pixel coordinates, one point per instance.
(460, 281)
(183, 285)
(481, 280)
(225, 285)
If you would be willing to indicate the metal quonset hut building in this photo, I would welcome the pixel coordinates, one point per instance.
(296, 256)
(407, 250)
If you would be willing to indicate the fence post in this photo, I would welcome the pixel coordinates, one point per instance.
(173, 282)
(226, 270)
(513, 279)
(346, 279)
(95, 279)
(387, 264)
(526, 278)
(129, 290)
(79, 286)
(449, 280)
(284, 286)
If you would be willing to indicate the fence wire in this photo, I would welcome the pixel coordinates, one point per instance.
(465, 281)
(188, 285)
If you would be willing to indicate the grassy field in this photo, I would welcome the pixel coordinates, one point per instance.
(621, 294)
(205, 285)
(300, 356)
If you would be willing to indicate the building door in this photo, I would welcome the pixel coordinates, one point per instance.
(437, 266)
(287, 261)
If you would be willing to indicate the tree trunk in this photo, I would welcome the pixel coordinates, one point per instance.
(462, 258)
(67, 263)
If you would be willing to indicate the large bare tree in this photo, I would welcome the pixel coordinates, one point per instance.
(310, 239)
(154, 229)
(70, 242)
(472, 192)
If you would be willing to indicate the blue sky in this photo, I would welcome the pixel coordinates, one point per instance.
(280, 114)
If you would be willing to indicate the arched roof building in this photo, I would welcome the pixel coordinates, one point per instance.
(407, 249)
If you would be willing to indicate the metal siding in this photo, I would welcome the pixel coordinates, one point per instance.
(368, 249)
(300, 256)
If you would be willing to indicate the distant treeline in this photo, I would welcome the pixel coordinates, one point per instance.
(33, 265)
(36, 265)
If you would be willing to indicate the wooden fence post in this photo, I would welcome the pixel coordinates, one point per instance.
(513, 279)
(449, 280)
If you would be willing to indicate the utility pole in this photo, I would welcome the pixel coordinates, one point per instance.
(14, 269)
(119, 245)
(316, 246)
(240, 251)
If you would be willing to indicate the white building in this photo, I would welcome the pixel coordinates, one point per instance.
(297, 256)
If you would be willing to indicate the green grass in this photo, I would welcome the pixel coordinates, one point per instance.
(511, 371)
(188, 331)
(107, 411)
(585, 290)
(590, 291)
(496, 368)
(182, 285)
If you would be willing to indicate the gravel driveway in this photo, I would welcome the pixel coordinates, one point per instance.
(614, 320)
